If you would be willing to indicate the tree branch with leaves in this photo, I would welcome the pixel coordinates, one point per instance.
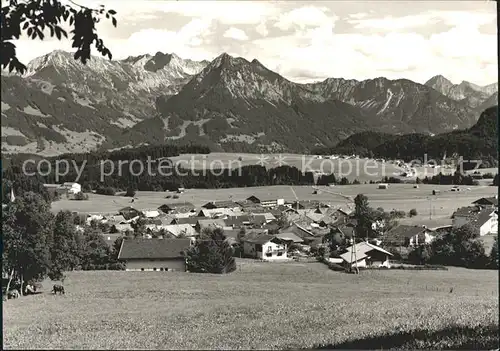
(32, 17)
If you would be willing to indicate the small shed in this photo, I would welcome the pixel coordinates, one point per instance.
(383, 186)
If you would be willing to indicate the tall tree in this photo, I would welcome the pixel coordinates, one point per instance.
(363, 214)
(96, 253)
(32, 17)
(65, 253)
(27, 237)
(211, 253)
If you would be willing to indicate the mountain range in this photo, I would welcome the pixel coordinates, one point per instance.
(480, 142)
(229, 104)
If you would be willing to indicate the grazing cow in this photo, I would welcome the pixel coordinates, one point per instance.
(13, 294)
(58, 289)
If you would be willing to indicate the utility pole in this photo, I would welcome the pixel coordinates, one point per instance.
(430, 208)
(353, 252)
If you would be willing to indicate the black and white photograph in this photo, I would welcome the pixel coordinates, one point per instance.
(249, 175)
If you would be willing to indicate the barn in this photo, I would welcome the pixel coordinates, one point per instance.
(154, 254)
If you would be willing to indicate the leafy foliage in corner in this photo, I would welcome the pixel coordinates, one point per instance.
(211, 254)
(32, 17)
(27, 237)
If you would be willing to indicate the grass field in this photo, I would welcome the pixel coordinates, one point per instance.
(259, 306)
(398, 196)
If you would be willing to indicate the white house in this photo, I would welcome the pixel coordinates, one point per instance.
(150, 213)
(177, 229)
(366, 255)
(72, 188)
(485, 220)
(265, 247)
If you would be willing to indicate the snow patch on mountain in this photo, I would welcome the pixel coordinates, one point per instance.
(389, 98)
(8, 131)
(30, 110)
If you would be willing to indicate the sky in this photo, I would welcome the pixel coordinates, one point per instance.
(308, 40)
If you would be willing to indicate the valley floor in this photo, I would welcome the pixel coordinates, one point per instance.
(259, 306)
(433, 210)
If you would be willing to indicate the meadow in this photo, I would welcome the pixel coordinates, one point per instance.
(433, 210)
(259, 306)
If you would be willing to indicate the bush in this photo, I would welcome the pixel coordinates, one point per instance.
(106, 191)
(130, 192)
(81, 196)
(335, 267)
(413, 212)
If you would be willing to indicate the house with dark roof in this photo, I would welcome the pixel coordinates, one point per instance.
(237, 221)
(154, 254)
(187, 220)
(487, 201)
(129, 213)
(268, 203)
(407, 236)
(177, 207)
(221, 204)
(264, 247)
(484, 220)
(290, 238)
(365, 255)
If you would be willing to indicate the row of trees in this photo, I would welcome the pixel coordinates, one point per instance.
(248, 176)
(461, 247)
(37, 244)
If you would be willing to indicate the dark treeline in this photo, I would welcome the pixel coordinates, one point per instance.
(95, 157)
(480, 142)
(247, 176)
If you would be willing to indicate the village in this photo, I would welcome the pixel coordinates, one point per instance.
(267, 229)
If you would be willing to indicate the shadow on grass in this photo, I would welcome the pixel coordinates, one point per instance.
(450, 338)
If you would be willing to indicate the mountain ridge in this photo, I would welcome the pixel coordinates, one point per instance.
(229, 103)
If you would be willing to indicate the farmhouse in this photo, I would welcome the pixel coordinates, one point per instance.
(154, 254)
(366, 255)
(221, 204)
(218, 212)
(187, 220)
(307, 204)
(72, 188)
(487, 202)
(266, 203)
(264, 247)
(186, 230)
(407, 235)
(289, 238)
(150, 213)
(178, 208)
(484, 220)
(129, 213)
(237, 221)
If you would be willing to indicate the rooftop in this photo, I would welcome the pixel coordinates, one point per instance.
(153, 248)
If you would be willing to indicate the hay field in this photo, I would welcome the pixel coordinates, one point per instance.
(260, 306)
(398, 196)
